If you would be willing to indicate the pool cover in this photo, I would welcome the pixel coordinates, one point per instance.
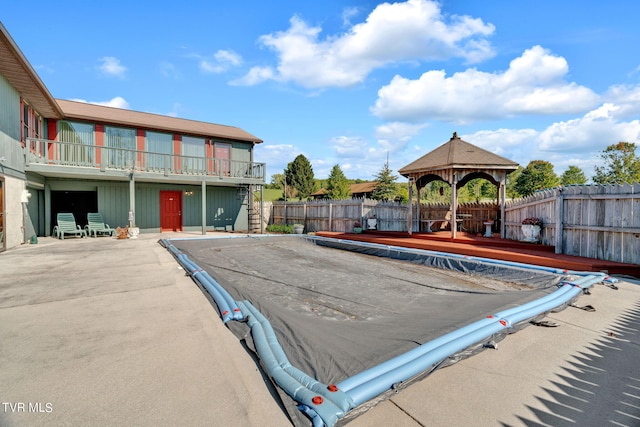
(337, 312)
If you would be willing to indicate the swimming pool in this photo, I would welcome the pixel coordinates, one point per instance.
(367, 318)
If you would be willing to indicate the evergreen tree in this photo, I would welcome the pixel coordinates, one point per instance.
(538, 175)
(572, 176)
(338, 186)
(299, 175)
(621, 165)
(386, 187)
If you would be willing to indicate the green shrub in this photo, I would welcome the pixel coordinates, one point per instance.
(280, 228)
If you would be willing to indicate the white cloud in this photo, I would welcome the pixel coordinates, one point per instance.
(576, 142)
(417, 29)
(276, 156)
(222, 61)
(347, 14)
(534, 83)
(111, 67)
(395, 136)
(346, 146)
(255, 76)
(169, 70)
(116, 102)
(627, 98)
(594, 131)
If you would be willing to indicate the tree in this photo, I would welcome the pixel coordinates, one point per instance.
(512, 178)
(277, 181)
(572, 176)
(299, 175)
(386, 187)
(338, 186)
(538, 175)
(621, 165)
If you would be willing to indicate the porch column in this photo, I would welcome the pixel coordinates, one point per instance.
(47, 210)
(204, 207)
(132, 200)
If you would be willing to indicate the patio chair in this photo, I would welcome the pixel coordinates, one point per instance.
(95, 225)
(67, 225)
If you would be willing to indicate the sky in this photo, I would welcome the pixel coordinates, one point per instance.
(355, 83)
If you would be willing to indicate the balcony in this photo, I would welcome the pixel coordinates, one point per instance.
(66, 159)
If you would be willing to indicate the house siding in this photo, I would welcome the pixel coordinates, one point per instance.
(225, 210)
(48, 166)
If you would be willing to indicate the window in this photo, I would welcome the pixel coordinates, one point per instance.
(31, 125)
(159, 145)
(76, 143)
(193, 155)
(120, 144)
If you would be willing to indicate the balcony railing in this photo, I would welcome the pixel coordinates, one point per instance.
(57, 153)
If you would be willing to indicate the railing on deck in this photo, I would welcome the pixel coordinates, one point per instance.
(57, 153)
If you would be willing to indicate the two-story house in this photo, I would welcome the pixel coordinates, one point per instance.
(156, 172)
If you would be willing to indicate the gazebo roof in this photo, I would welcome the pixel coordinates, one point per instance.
(458, 154)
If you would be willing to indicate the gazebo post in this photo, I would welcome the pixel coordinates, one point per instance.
(503, 203)
(454, 205)
(410, 216)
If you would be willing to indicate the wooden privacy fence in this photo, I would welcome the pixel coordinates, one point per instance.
(593, 221)
(341, 215)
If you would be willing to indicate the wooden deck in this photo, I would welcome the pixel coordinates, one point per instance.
(490, 247)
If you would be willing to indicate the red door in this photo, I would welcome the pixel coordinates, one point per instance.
(170, 211)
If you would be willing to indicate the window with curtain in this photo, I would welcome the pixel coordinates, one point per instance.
(158, 146)
(31, 125)
(76, 143)
(193, 152)
(121, 143)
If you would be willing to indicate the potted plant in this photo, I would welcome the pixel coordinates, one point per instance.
(531, 229)
(357, 227)
(298, 228)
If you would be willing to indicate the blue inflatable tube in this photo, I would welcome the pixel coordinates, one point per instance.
(227, 306)
(372, 382)
(323, 404)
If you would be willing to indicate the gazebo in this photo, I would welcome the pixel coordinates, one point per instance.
(456, 162)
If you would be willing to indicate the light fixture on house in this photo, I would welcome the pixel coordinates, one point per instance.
(3, 159)
(188, 193)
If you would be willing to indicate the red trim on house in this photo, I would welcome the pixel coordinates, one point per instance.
(52, 135)
(99, 131)
(177, 150)
(140, 139)
(209, 154)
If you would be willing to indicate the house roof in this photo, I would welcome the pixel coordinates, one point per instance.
(362, 187)
(74, 110)
(458, 154)
(21, 75)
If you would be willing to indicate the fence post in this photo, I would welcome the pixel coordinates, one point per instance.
(559, 219)
(330, 213)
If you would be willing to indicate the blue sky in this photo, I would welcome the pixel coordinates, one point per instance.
(352, 82)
